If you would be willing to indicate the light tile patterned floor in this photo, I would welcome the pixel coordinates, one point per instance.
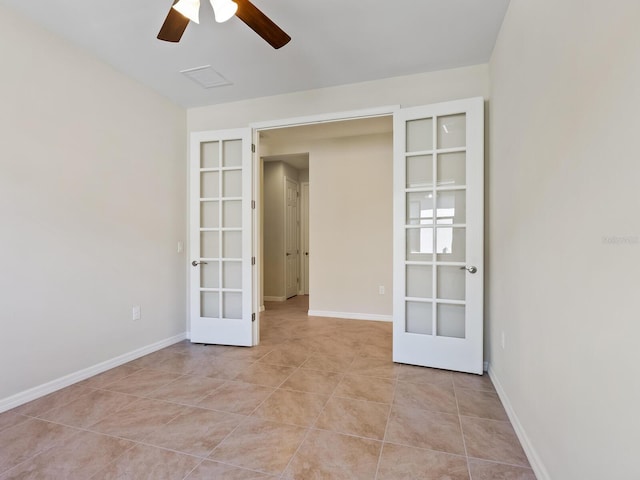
(320, 398)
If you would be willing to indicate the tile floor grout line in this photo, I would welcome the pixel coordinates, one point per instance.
(195, 405)
(282, 422)
(53, 408)
(166, 449)
(386, 428)
(113, 461)
(37, 454)
(498, 462)
(485, 418)
(249, 469)
(314, 427)
(359, 399)
(262, 402)
(109, 383)
(289, 389)
(442, 452)
(193, 469)
(464, 442)
(20, 422)
(304, 439)
(225, 437)
(118, 437)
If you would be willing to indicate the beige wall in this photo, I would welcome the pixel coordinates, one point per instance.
(407, 91)
(350, 228)
(564, 233)
(92, 202)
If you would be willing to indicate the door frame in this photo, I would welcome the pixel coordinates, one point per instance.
(256, 128)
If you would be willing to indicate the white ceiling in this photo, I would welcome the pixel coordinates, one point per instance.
(333, 42)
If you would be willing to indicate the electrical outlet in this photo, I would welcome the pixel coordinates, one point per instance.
(381, 290)
(503, 340)
(180, 247)
(135, 312)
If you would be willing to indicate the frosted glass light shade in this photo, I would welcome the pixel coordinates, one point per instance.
(224, 9)
(189, 8)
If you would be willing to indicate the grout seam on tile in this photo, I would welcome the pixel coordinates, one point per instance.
(386, 427)
(464, 442)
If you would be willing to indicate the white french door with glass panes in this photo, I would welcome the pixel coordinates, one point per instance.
(221, 237)
(438, 235)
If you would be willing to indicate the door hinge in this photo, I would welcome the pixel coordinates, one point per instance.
(253, 317)
(253, 260)
(253, 148)
(253, 204)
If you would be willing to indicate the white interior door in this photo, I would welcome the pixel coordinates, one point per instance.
(221, 237)
(438, 236)
(304, 250)
(291, 237)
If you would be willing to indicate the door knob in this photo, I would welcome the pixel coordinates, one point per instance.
(196, 263)
(470, 269)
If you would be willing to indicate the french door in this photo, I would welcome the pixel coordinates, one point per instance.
(438, 236)
(221, 237)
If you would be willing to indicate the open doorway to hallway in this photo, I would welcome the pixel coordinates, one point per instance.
(284, 226)
(345, 262)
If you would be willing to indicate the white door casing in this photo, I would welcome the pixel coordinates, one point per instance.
(220, 243)
(438, 235)
(291, 237)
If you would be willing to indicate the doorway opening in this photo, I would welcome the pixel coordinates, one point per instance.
(342, 254)
(284, 225)
(426, 204)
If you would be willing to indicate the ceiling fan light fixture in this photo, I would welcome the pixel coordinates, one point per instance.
(224, 9)
(189, 8)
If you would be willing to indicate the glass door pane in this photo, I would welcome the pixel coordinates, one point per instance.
(435, 278)
(438, 181)
(221, 223)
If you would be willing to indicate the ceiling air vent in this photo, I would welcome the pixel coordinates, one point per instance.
(206, 77)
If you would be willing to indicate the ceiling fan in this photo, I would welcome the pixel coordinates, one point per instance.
(182, 11)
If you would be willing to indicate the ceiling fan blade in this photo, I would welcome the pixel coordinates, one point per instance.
(174, 26)
(261, 24)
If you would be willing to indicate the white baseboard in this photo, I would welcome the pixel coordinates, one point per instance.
(54, 385)
(274, 299)
(351, 316)
(534, 459)
(261, 309)
(485, 366)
